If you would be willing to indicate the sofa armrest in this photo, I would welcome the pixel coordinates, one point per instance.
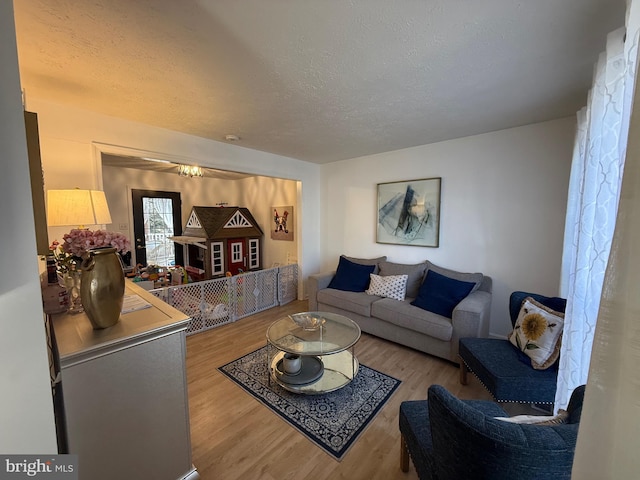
(470, 318)
(317, 282)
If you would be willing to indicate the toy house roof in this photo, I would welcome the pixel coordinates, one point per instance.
(221, 222)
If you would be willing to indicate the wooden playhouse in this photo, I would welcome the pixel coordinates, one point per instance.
(218, 240)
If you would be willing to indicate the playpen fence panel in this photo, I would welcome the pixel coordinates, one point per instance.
(216, 302)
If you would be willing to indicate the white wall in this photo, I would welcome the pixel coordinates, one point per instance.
(503, 193)
(258, 194)
(26, 406)
(502, 207)
(69, 140)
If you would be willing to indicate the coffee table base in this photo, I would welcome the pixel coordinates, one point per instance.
(310, 371)
(339, 370)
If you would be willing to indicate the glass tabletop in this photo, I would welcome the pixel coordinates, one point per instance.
(335, 334)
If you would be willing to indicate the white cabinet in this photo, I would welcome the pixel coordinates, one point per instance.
(125, 394)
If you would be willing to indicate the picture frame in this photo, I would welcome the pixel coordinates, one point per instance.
(408, 212)
(282, 226)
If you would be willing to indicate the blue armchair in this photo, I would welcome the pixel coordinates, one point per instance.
(503, 370)
(452, 439)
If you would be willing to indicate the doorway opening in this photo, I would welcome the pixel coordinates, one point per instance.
(123, 169)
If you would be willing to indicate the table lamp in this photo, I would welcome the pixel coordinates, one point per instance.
(77, 208)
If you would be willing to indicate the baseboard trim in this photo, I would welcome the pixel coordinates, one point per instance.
(192, 475)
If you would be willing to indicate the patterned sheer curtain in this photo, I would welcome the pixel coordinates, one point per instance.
(607, 445)
(594, 192)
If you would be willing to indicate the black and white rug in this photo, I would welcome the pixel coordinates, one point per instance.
(332, 420)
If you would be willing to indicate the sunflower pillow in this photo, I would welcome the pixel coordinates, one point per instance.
(537, 333)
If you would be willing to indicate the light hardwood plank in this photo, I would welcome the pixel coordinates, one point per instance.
(234, 436)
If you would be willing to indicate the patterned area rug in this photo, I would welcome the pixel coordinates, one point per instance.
(333, 420)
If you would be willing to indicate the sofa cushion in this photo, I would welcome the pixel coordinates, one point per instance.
(537, 333)
(475, 278)
(413, 318)
(440, 294)
(517, 298)
(350, 276)
(391, 286)
(498, 366)
(367, 261)
(415, 273)
(356, 302)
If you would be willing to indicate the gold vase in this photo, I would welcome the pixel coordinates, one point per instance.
(102, 287)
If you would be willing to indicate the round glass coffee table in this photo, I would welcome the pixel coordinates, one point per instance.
(312, 359)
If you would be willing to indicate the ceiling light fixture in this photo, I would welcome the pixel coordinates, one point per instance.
(231, 138)
(190, 171)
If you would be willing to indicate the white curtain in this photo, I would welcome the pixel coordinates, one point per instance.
(594, 192)
(608, 436)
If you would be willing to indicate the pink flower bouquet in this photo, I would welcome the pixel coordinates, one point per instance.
(79, 241)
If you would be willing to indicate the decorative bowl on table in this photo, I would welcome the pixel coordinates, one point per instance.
(308, 320)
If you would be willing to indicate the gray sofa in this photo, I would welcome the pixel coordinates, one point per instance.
(401, 322)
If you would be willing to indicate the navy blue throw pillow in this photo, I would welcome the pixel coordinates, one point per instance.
(351, 277)
(440, 294)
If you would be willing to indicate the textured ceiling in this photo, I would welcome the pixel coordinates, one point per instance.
(316, 80)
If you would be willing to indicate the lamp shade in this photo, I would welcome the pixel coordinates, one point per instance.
(77, 207)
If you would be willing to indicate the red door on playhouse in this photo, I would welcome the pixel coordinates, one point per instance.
(236, 248)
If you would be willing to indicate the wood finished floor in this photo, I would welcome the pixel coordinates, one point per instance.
(234, 436)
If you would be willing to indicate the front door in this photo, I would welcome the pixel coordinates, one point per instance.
(156, 216)
(236, 254)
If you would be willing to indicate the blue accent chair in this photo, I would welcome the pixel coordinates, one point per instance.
(452, 439)
(505, 371)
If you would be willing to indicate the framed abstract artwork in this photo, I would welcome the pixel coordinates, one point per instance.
(409, 212)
